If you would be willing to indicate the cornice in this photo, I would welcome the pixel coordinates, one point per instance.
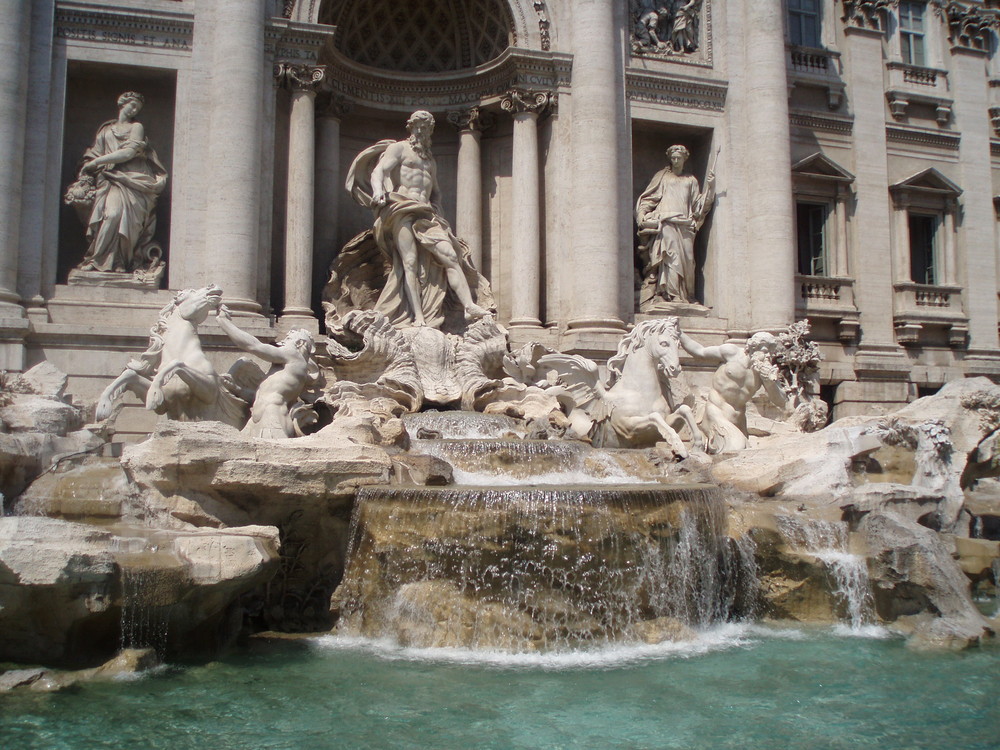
(689, 93)
(294, 40)
(150, 29)
(810, 121)
(921, 137)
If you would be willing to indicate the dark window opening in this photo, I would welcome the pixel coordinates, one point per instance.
(923, 230)
(804, 22)
(810, 223)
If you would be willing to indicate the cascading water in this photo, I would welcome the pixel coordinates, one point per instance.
(827, 541)
(150, 584)
(539, 568)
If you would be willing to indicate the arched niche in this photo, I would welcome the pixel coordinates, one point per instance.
(529, 19)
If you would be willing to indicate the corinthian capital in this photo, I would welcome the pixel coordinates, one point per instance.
(867, 14)
(472, 118)
(526, 100)
(296, 77)
(969, 26)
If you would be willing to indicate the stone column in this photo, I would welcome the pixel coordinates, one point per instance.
(329, 185)
(232, 223)
(977, 273)
(300, 193)
(14, 41)
(526, 248)
(872, 247)
(770, 223)
(469, 205)
(598, 128)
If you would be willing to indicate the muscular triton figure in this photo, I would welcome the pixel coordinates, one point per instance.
(409, 228)
(742, 371)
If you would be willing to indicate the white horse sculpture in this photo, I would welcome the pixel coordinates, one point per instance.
(173, 376)
(636, 407)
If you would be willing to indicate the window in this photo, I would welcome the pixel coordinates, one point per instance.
(911, 33)
(923, 241)
(810, 224)
(804, 22)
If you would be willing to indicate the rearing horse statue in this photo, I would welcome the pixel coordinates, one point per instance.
(635, 408)
(173, 376)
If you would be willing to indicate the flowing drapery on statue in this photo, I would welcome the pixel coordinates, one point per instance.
(398, 181)
(115, 194)
(669, 213)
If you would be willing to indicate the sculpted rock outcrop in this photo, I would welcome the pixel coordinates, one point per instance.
(914, 574)
(63, 585)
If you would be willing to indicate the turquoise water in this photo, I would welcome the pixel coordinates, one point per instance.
(737, 687)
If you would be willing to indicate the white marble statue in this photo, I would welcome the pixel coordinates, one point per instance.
(635, 408)
(742, 372)
(278, 411)
(173, 376)
(669, 214)
(398, 181)
(115, 194)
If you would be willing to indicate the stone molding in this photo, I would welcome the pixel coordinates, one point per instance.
(404, 92)
(475, 119)
(923, 137)
(293, 40)
(297, 77)
(811, 121)
(90, 22)
(517, 101)
(652, 88)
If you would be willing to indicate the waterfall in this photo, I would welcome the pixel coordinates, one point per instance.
(144, 620)
(539, 568)
(827, 541)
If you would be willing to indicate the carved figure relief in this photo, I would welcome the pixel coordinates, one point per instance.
(666, 27)
(669, 213)
(115, 195)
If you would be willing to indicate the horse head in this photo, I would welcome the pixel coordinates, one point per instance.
(662, 338)
(194, 305)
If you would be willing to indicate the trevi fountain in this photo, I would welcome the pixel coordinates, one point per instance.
(414, 526)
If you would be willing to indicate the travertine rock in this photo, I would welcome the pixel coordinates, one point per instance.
(62, 585)
(912, 572)
(45, 414)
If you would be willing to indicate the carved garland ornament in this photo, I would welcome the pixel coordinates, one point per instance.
(516, 101)
(299, 77)
(969, 27)
(866, 14)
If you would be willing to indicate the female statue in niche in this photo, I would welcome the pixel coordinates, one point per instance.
(115, 195)
(669, 214)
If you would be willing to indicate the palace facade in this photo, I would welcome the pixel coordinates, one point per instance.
(855, 146)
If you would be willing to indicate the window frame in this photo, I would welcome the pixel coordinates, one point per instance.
(799, 17)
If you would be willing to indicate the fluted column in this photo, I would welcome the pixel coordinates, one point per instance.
(526, 247)
(302, 80)
(469, 205)
(232, 231)
(15, 33)
(770, 223)
(597, 130)
(329, 185)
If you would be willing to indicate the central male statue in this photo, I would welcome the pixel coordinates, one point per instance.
(398, 181)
